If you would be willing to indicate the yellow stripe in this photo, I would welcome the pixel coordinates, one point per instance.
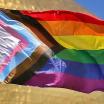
(81, 42)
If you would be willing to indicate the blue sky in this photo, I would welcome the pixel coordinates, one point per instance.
(94, 6)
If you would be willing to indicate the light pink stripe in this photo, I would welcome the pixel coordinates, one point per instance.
(18, 48)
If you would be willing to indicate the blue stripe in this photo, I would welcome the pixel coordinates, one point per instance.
(92, 71)
(20, 57)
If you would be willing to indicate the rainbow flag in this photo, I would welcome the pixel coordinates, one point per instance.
(79, 64)
(65, 49)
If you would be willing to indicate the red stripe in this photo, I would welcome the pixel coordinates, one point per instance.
(54, 15)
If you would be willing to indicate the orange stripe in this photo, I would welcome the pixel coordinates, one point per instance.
(61, 28)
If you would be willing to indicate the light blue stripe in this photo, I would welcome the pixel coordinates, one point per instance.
(20, 57)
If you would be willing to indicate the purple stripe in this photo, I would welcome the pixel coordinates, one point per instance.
(66, 81)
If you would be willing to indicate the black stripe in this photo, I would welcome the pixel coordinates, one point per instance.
(30, 72)
(57, 47)
(43, 59)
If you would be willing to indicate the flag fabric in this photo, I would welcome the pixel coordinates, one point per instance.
(26, 45)
(79, 65)
(68, 49)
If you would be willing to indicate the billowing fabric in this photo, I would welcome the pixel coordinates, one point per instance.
(79, 65)
(8, 44)
(64, 49)
(28, 45)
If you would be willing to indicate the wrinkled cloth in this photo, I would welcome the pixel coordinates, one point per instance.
(69, 54)
(28, 45)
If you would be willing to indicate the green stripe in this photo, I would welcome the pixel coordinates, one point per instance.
(82, 56)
